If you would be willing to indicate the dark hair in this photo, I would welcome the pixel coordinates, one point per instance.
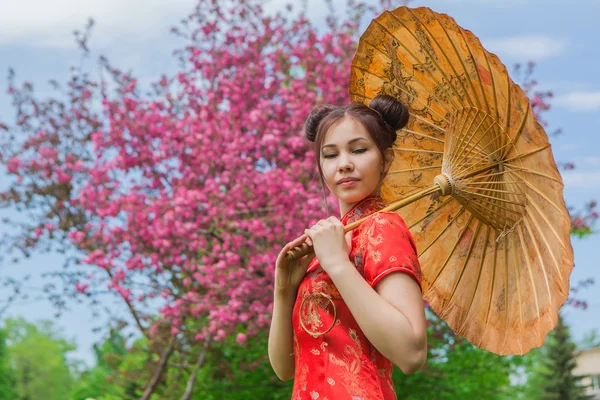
(382, 118)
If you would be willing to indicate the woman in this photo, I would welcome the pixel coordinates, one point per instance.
(344, 316)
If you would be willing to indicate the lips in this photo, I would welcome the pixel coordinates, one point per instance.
(346, 180)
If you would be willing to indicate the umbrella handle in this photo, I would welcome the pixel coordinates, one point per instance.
(300, 251)
(304, 249)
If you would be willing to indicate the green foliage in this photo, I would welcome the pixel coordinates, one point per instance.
(550, 377)
(229, 370)
(99, 381)
(7, 375)
(456, 369)
(239, 372)
(38, 355)
(559, 362)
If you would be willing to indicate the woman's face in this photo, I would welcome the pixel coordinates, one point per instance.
(349, 152)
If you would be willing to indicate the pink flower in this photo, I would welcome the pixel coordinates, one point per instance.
(81, 288)
(240, 338)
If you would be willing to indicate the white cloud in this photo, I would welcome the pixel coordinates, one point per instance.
(579, 101)
(533, 47)
(50, 23)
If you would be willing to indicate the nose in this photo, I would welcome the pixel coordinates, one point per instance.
(345, 163)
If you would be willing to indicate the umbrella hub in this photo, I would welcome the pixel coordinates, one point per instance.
(445, 183)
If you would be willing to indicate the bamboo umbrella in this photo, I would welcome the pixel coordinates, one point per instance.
(473, 177)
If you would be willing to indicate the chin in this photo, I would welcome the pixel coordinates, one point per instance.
(352, 196)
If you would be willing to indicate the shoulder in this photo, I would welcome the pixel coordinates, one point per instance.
(386, 220)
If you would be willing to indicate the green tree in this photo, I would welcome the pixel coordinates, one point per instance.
(38, 355)
(101, 381)
(551, 377)
(7, 378)
(456, 369)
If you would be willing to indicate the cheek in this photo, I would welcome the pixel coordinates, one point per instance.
(328, 170)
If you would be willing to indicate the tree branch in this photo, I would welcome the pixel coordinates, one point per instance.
(187, 395)
(164, 358)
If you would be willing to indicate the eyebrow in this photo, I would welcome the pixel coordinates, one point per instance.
(349, 142)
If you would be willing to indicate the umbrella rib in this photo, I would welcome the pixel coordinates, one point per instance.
(442, 103)
(515, 138)
(438, 208)
(481, 87)
(385, 79)
(462, 209)
(499, 191)
(503, 162)
(497, 199)
(452, 251)
(458, 55)
(455, 140)
(462, 32)
(538, 192)
(422, 134)
(532, 172)
(518, 284)
(547, 243)
(541, 260)
(464, 266)
(488, 159)
(462, 63)
(418, 150)
(505, 292)
(400, 42)
(489, 306)
(462, 148)
(481, 150)
(487, 60)
(439, 128)
(443, 53)
(519, 231)
(551, 226)
(485, 210)
(487, 237)
(485, 183)
(414, 169)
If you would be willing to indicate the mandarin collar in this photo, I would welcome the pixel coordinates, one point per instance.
(363, 208)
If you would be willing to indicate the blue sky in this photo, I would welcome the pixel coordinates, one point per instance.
(36, 40)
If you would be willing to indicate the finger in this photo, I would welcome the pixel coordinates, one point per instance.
(294, 242)
(306, 260)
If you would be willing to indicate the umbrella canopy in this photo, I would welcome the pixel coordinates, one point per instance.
(475, 177)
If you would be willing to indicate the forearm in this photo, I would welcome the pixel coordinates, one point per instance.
(281, 345)
(386, 327)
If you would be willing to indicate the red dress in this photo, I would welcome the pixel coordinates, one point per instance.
(341, 363)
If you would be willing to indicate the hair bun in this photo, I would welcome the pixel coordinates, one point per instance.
(314, 119)
(393, 112)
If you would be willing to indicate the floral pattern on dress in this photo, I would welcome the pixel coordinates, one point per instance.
(342, 364)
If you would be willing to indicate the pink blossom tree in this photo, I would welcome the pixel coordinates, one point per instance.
(178, 200)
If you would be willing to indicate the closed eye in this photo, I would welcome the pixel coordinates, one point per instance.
(333, 155)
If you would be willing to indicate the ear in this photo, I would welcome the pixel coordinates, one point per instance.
(388, 158)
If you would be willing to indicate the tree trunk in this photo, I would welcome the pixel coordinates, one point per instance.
(190, 383)
(164, 358)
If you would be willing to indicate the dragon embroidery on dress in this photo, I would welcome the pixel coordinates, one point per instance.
(310, 313)
(351, 364)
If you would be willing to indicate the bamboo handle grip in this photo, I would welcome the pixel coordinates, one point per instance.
(300, 251)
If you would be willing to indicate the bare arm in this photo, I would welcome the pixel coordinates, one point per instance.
(288, 276)
(392, 317)
(281, 345)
